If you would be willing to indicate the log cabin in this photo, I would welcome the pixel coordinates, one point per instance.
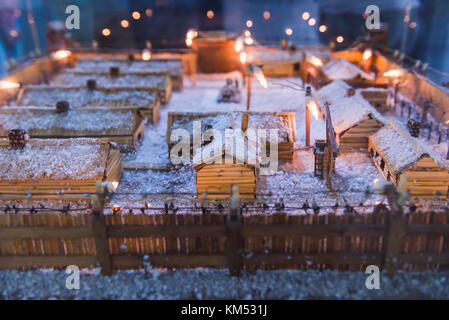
(217, 172)
(353, 118)
(99, 64)
(47, 96)
(284, 122)
(398, 155)
(379, 98)
(123, 126)
(58, 169)
(157, 82)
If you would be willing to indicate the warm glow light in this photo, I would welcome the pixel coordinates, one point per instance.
(367, 54)
(249, 23)
(313, 107)
(340, 39)
(149, 12)
(210, 14)
(247, 33)
(116, 208)
(124, 23)
(288, 31)
(394, 73)
(136, 15)
(412, 25)
(146, 54)
(305, 15)
(242, 57)
(315, 61)
(258, 74)
(8, 85)
(189, 42)
(266, 15)
(249, 41)
(322, 28)
(106, 32)
(238, 44)
(114, 184)
(312, 22)
(61, 54)
(13, 33)
(191, 34)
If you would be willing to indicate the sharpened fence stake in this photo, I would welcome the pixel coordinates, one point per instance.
(99, 230)
(233, 236)
(395, 232)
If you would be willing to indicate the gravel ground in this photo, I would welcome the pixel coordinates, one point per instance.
(217, 284)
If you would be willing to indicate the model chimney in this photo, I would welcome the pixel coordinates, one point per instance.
(114, 71)
(62, 106)
(17, 138)
(91, 84)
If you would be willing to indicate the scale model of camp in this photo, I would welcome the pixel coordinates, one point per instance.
(68, 168)
(123, 126)
(398, 155)
(173, 67)
(47, 96)
(353, 117)
(161, 83)
(284, 122)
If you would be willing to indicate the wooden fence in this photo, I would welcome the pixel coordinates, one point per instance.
(413, 241)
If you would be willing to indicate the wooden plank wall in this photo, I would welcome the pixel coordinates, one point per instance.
(271, 241)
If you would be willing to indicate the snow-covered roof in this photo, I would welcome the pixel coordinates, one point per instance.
(45, 96)
(341, 68)
(102, 64)
(101, 121)
(68, 159)
(346, 111)
(73, 79)
(401, 150)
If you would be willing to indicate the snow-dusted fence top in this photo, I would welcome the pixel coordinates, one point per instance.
(102, 64)
(157, 82)
(283, 121)
(57, 168)
(47, 96)
(413, 241)
(124, 126)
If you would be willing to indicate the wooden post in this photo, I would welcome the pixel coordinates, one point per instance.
(100, 231)
(234, 239)
(308, 97)
(395, 232)
(248, 98)
(245, 120)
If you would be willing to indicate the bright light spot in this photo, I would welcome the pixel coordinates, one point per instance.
(114, 184)
(305, 15)
(242, 56)
(210, 14)
(116, 208)
(413, 25)
(124, 23)
(136, 15)
(149, 12)
(146, 54)
(249, 41)
(249, 23)
(106, 32)
(367, 54)
(313, 107)
(189, 42)
(393, 73)
(191, 34)
(247, 33)
(266, 15)
(315, 61)
(61, 54)
(288, 31)
(340, 39)
(312, 22)
(322, 28)
(9, 85)
(238, 44)
(258, 74)
(13, 33)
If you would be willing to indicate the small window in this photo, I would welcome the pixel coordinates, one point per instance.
(377, 154)
(371, 152)
(382, 164)
(388, 176)
(297, 67)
